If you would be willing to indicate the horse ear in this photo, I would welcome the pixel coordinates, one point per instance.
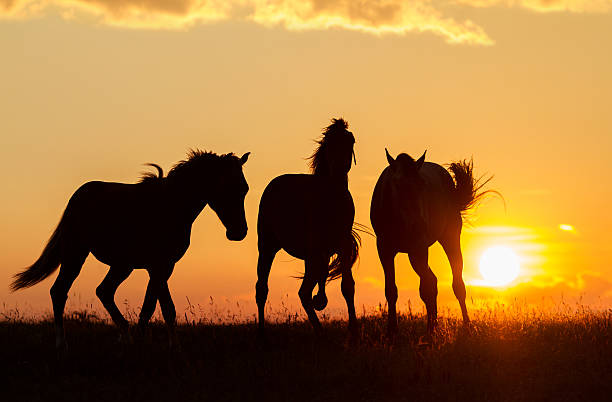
(389, 157)
(420, 161)
(244, 158)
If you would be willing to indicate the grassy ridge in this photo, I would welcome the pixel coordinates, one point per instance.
(529, 357)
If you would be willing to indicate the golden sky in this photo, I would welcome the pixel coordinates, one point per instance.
(92, 89)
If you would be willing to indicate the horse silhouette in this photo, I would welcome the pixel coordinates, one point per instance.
(311, 216)
(144, 225)
(415, 204)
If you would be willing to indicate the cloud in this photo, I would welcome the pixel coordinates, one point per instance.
(376, 17)
(371, 16)
(576, 6)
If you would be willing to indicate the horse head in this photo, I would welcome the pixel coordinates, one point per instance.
(406, 179)
(335, 152)
(227, 198)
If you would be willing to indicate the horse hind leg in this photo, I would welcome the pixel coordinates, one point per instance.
(428, 287)
(452, 247)
(69, 270)
(106, 293)
(387, 259)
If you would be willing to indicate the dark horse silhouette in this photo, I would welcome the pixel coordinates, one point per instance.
(311, 216)
(415, 204)
(144, 225)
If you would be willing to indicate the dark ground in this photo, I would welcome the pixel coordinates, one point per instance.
(532, 358)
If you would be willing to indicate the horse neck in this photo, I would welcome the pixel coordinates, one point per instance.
(403, 212)
(186, 202)
(334, 180)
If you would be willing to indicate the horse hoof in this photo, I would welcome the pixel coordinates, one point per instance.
(319, 302)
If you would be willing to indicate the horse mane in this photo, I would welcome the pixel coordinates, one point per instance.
(195, 159)
(318, 162)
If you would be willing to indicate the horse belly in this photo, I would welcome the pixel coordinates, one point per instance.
(121, 253)
(140, 249)
(291, 235)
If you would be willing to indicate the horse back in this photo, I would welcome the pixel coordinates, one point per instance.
(127, 223)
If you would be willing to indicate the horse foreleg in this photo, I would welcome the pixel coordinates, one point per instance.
(168, 311)
(428, 287)
(387, 259)
(106, 293)
(157, 289)
(148, 306)
(311, 277)
(348, 291)
(319, 301)
(264, 264)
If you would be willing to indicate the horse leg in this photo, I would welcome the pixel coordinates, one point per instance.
(264, 264)
(428, 287)
(319, 301)
(387, 259)
(348, 291)
(312, 274)
(69, 270)
(106, 293)
(452, 248)
(158, 281)
(148, 306)
(168, 311)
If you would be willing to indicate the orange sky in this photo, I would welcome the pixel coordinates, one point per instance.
(91, 90)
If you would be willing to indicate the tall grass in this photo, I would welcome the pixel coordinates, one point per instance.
(510, 352)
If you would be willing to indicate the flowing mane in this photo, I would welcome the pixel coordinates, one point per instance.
(195, 160)
(319, 165)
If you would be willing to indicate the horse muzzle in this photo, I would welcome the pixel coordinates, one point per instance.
(236, 235)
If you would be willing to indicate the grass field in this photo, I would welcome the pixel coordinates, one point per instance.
(506, 355)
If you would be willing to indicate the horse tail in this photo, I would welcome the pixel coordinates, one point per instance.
(147, 177)
(46, 264)
(346, 257)
(469, 190)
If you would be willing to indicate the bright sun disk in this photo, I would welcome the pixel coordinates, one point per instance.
(499, 265)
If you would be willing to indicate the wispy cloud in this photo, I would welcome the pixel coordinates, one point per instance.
(371, 16)
(576, 6)
(376, 17)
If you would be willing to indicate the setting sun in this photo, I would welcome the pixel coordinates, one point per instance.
(499, 265)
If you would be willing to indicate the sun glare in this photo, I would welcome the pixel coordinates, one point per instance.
(499, 266)
(566, 227)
